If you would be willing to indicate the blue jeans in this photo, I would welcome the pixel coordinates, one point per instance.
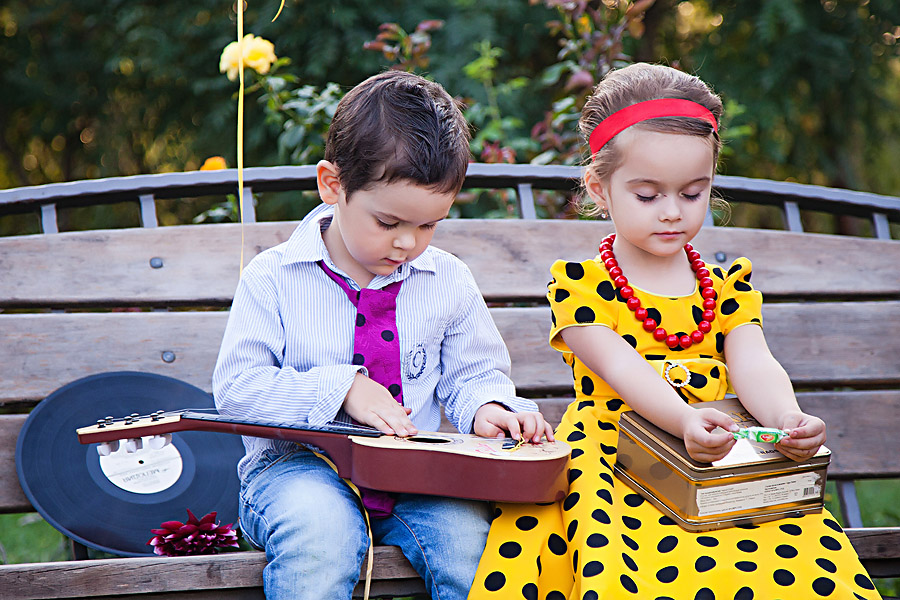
(311, 525)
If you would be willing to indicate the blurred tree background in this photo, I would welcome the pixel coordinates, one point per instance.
(93, 89)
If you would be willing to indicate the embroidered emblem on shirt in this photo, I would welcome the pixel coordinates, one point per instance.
(414, 362)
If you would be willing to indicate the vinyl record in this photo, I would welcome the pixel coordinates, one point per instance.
(111, 503)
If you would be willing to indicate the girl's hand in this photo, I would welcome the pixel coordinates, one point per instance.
(700, 441)
(807, 434)
(493, 420)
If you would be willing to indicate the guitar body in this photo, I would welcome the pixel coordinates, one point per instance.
(442, 464)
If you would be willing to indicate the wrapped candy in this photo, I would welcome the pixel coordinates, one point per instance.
(761, 434)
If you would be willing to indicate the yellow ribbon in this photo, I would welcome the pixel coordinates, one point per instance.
(240, 118)
(368, 526)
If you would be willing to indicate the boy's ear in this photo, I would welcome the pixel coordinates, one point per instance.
(330, 188)
(595, 189)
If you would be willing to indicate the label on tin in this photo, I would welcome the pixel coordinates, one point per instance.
(758, 494)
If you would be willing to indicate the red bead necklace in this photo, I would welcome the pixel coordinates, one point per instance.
(640, 313)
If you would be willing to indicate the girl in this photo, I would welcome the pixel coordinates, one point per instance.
(621, 320)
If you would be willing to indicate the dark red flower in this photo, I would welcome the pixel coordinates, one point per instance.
(203, 536)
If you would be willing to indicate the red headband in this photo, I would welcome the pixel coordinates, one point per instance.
(620, 120)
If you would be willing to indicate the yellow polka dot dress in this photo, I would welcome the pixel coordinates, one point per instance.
(605, 542)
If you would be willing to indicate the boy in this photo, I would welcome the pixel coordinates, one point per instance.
(310, 340)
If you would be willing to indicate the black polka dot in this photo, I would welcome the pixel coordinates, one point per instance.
(557, 545)
(494, 581)
(823, 586)
(629, 562)
(746, 566)
(747, 546)
(742, 287)
(574, 474)
(560, 295)
(744, 593)
(606, 290)
(585, 404)
(705, 594)
(610, 450)
(707, 541)
(539, 567)
(704, 564)
(785, 551)
(530, 592)
(596, 540)
(605, 426)
(614, 404)
(729, 307)
(714, 372)
(574, 270)
(526, 523)
(594, 567)
(829, 542)
(575, 561)
(833, 525)
(576, 452)
(631, 522)
(358, 359)
(628, 583)
(698, 381)
(735, 268)
(600, 516)
(587, 386)
(718, 272)
(584, 314)
(791, 529)
(632, 341)
(554, 595)
(497, 513)
(607, 478)
(720, 342)
(570, 530)
(360, 320)
(510, 550)
(664, 520)
(590, 595)
(826, 565)
(654, 314)
(571, 500)
(667, 544)
(783, 577)
(387, 335)
(864, 582)
(630, 543)
(667, 574)
(394, 389)
(575, 436)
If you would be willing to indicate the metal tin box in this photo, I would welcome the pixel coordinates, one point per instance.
(754, 483)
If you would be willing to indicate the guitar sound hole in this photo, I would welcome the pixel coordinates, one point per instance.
(428, 440)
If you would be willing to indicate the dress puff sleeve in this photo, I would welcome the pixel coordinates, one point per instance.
(739, 303)
(575, 298)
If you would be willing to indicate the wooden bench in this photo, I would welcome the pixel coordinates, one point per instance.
(832, 312)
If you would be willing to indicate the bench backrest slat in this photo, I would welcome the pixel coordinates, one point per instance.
(199, 264)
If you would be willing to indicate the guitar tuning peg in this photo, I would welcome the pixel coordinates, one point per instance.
(107, 448)
(132, 445)
(101, 423)
(158, 442)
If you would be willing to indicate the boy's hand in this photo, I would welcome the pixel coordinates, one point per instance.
(699, 440)
(371, 404)
(493, 420)
(807, 434)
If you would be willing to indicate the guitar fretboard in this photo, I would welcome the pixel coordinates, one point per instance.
(340, 428)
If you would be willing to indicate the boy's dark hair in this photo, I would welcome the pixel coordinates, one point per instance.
(398, 126)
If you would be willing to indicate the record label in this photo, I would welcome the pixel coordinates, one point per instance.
(146, 471)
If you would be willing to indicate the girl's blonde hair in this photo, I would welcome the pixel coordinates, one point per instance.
(635, 83)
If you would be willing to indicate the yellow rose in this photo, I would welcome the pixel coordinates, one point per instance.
(259, 54)
(213, 163)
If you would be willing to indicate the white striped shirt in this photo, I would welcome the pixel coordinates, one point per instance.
(287, 349)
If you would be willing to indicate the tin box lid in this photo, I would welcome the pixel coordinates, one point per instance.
(745, 456)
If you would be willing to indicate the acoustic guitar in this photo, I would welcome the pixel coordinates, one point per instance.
(442, 464)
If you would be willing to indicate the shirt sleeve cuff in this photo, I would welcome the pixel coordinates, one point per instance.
(334, 384)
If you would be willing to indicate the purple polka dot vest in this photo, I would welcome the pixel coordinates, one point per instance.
(376, 346)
